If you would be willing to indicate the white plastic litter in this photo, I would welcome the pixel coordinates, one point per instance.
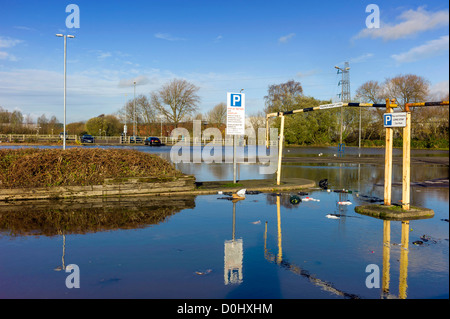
(241, 192)
(331, 216)
(345, 203)
(310, 199)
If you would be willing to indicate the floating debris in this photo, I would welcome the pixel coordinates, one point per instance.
(418, 242)
(332, 216)
(201, 273)
(323, 183)
(295, 199)
(370, 199)
(347, 202)
(310, 199)
(256, 222)
(253, 192)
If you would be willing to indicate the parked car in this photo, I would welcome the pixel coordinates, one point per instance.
(153, 141)
(136, 139)
(86, 138)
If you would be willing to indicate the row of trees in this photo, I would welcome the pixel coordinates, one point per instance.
(430, 125)
(16, 123)
(176, 103)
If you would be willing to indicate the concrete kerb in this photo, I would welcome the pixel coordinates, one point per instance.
(151, 186)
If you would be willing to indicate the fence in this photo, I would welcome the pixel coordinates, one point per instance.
(117, 140)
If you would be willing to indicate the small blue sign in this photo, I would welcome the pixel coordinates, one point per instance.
(236, 100)
(387, 119)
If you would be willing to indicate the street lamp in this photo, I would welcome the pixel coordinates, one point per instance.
(134, 113)
(65, 67)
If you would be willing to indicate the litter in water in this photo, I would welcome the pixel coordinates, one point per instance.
(310, 199)
(347, 202)
(332, 216)
(295, 199)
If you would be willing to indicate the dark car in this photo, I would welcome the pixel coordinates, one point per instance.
(153, 141)
(136, 139)
(86, 138)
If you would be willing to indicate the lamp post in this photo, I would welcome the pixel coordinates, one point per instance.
(134, 113)
(65, 67)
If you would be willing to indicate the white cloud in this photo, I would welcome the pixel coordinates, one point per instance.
(140, 80)
(7, 56)
(286, 38)
(361, 58)
(168, 37)
(6, 42)
(307, 73)
(429, 49)
(414, 21)
(439, 90)
(104, 55)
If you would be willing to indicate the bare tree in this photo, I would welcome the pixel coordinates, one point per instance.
(281, 97)
(218, 115)
(407, 88)
(145, 112)
(176, 100)
(370, 92)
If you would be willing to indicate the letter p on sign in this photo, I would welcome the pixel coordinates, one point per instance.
(236, 100)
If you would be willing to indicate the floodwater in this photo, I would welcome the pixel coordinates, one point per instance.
(207, 247)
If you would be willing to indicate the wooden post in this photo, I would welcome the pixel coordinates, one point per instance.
(406, 179)
(388, 160)
(402, 287)
(280, 150)
(280, 247)
(386, 256)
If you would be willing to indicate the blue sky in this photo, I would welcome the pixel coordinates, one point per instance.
(221, 46)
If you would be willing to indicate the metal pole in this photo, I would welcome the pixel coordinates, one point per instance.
(359, 143)
(65, 63)
(234, 159)
(134, 113)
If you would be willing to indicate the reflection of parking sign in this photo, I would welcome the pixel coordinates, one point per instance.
(236, 100)
(387, 119)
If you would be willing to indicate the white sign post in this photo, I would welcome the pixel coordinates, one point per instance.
(394, 119)
(235, 121)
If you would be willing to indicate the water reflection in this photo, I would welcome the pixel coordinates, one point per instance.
(404, 250)
(53, 218)
(292, 267)
(234, 255)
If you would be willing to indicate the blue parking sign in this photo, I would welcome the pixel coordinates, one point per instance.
(236, 100)
(387, 119)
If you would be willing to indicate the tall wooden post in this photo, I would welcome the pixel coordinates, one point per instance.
(402, 287)
(386, 257)
(280, 150)
(388, 160)
(406, 179)
(280, 246)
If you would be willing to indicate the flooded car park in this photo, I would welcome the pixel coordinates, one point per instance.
(264, 246)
